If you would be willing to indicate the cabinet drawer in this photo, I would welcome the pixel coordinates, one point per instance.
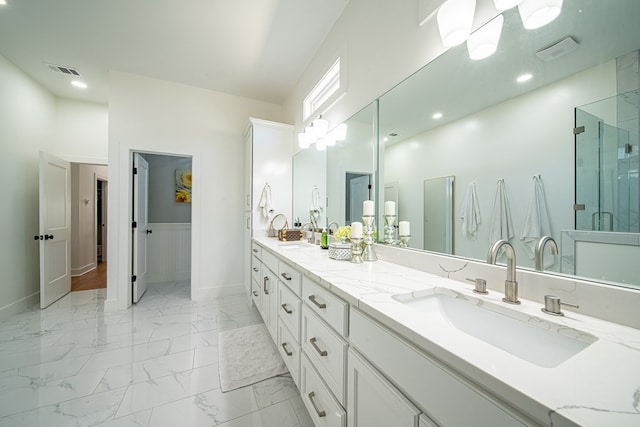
(427, 382)
(290, 277)
(329, 307)
(322, 407)
(256, 250)
(270, 260)
(326, 350)
(289, 350)
(289, 306)
(255, 268)
(373, 400)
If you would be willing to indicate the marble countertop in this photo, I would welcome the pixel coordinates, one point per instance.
(598, 386)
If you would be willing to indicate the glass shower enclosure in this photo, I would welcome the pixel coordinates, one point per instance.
(607, 147)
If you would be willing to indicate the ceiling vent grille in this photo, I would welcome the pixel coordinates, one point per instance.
(70, 71)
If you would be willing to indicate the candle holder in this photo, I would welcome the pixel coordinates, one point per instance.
(368, 253)
(389, 229)
(356, 251)
(404, 241)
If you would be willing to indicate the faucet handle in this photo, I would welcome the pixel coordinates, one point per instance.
(552, 305)
(480, 285)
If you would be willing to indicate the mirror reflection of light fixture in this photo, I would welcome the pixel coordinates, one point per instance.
(506, 4)
(455, 18)
(484, 41)
(538, 13)
(318, 133)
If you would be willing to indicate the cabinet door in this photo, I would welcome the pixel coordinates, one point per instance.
(374, 401)
(269, 301)
(256, 294)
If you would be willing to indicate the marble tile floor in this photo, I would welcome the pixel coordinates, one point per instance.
(155, 364)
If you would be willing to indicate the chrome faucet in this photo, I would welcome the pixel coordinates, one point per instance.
(312, 238)
(510, 285)
(553, 247)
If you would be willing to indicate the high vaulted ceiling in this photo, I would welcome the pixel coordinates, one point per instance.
(251, 48)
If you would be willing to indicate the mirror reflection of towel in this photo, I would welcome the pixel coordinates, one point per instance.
(536, 221)
(500, 226)
(470, 213)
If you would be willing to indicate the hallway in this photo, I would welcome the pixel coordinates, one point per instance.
(95, 279)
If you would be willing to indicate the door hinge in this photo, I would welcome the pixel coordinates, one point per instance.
(135, 171)
(578, 130)
(134, 278)
(369, 186)
(134, 224)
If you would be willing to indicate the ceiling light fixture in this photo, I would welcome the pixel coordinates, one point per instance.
(484, 42)
(3, 2)
(524, 77)
(455, 18)
(317, 133)
(538, 13)
(506, 4)
(436, 116)
(79, 84)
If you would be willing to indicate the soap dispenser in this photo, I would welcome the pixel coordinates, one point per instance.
(324, 239)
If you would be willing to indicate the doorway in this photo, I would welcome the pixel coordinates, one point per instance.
(357, 189)
(160, 237)
(89, 190)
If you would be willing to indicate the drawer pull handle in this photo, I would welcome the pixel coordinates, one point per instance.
(256, 269)
(255, 251)
(313, 402)
(255, 293)
(264, 285)
(312, 298)
(322, 353)
(286, 276)
(286, 310)
(284, 345)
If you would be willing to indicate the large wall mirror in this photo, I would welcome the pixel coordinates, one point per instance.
(351, 169)
(506, 142)
(310, 187)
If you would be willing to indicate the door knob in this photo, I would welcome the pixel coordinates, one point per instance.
(48, 237)
(40, 237)
(149, 231)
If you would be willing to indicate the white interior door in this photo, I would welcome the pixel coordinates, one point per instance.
(140, 231)
(54, 228)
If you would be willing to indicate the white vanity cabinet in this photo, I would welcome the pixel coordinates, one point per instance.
(438, 391)
(373, 401)
(289, 308)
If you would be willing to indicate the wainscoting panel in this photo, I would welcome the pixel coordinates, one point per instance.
(169, 252)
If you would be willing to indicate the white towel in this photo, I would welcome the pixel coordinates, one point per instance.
(500, 226)
(470, 213)
(265, 201)
(316, 205)
(536, 221)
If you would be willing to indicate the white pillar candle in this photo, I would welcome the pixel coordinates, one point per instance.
(389, 208)
(368, 208)
(356, 230)
(404, 228)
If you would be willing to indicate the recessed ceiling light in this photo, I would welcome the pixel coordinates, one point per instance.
(524, 78)
(436, 116)
(3, 2)
(79, 84)
(385, 139)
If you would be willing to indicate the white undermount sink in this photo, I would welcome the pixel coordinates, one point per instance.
(536, 340)
(295, 244)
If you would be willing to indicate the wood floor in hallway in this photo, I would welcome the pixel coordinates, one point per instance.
(95, 279)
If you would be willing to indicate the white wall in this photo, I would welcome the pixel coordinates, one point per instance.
(27, 114)
(163, 207)
(383, 44)
(83, 216)
(162, 117)
(81, 131)
(525, 140)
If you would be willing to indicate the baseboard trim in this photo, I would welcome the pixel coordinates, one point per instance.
(80, 271)
(204, 294)
(18, 306)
